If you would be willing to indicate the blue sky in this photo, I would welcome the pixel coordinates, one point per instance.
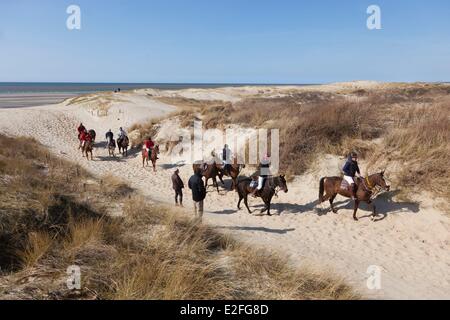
(224, 41)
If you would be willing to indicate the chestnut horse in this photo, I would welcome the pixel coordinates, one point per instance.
(153, 157)
(233, 172)
(87, 148)
(365, 187)
(209, 171)
(266, 193)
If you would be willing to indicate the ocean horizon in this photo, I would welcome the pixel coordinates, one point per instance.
(90, 87)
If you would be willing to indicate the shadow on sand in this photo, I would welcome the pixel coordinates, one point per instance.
(384, 203)
(261, 229)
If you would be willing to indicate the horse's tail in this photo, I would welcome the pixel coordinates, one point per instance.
(321, 189)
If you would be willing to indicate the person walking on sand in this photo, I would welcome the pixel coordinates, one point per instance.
(197, 186)
(178, 186)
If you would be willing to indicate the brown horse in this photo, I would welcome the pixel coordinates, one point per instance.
(266, 193)
(153, 156)
(232, 172)
(365, 188)
(209, 171)
(87, 148)
(123, 145)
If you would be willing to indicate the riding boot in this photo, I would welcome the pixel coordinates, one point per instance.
(353, 189)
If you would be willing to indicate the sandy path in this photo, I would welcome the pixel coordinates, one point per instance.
(410, 243)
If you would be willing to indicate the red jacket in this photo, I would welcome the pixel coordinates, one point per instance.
(149, 144)
(83, 136)
(81, 129)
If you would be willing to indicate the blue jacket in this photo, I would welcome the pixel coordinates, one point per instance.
(351, 168)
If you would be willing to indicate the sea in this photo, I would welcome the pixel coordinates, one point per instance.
(27, 94)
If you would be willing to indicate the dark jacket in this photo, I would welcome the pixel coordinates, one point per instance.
(177, 183)
(109, 135)
(351, 168)
(197, 186)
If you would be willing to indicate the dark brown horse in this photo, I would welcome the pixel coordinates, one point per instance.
(232, 172)
(365, 189)
(209, 171)
(111, 147)
(92, 134)
(153, 157)
(123, 144)
(266, 193)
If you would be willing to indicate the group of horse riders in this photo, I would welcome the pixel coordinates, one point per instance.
(109, 136)
(331, 186)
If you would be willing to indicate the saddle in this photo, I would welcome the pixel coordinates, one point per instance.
(344, 185)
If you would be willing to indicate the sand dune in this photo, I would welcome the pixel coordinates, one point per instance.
(409, 241)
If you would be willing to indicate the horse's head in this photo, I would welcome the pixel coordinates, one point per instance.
(282, 183)
(380, 181)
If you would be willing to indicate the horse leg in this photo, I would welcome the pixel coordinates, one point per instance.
(154, 166)
(217, 185)
(374, 210)
(356, 209)
(246, 204)
(239, 202)
(331, 203)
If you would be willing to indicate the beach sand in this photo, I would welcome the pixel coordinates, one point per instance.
(409, 241)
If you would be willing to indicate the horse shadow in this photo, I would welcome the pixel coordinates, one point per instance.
(385, 205)
(168, 166)
(226, 211)
(290, 208)
(102, 144)
(261, 229)
(117, 158)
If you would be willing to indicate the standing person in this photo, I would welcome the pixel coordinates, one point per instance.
(226, 158)
(178, 186)
(197, 186)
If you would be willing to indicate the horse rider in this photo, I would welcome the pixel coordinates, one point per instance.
(264, 172)
(149, 145)
(109, 137)
(122, 134)
(82, 137)
(226, 158)
(351, 169)
(80, 129)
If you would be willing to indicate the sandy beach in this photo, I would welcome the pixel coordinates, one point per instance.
(409, 241)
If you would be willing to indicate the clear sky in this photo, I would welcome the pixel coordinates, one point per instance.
(224, 41)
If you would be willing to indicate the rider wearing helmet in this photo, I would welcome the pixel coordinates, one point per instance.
(351, 169)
